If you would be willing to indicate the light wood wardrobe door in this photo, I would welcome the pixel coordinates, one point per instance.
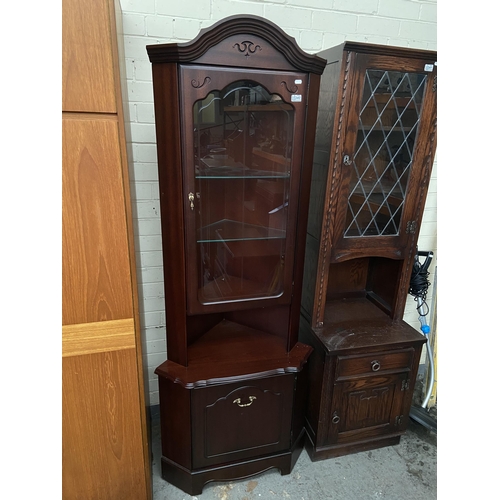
(88, 73)
(105, 449)
(96, 267)
(102, 443)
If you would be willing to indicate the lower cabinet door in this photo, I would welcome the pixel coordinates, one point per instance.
(367, 407)
(242, 420)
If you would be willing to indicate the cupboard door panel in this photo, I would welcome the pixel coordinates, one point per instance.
(102, 453)
(237, 421)
(96, 269)
(366, 408)
(87, 65)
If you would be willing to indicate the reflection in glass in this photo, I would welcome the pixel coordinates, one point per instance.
(242, 149)
(387, 129)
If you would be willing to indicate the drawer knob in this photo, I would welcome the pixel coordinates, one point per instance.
(251, 399)
(375, 365)
(336, 418)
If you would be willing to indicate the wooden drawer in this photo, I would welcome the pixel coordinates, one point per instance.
(241, 420)
(377, 362)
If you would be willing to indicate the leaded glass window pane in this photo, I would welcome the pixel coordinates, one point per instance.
(387, 130)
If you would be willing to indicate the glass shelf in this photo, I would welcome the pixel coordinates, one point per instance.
(214, 168)
(270, 106)
(230, 230)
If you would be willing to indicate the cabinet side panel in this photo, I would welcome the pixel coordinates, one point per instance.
(309, 281)
(175, 412)
(323, 139)
(305, 183)
(326, 132)
(412, 378)
(333, 192)
(299, 404)
(322, 146)
(168, 144)
(315, 375)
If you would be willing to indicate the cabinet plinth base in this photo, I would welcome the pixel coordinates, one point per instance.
(192, 482)
(317, 453)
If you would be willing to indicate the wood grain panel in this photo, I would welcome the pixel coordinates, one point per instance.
(102, 454)
(101, 336)
(96, 267)
(87, 65)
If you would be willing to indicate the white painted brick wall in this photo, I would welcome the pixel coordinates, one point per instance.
(316, 25)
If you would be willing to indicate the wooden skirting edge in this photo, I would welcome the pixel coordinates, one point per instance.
(101, 336)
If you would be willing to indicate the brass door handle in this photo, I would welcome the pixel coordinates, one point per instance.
(251, 399)
(191, 199)
(336, 418)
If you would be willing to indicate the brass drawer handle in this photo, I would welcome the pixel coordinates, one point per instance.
(242, 405)
(336, 418)
(375, 365)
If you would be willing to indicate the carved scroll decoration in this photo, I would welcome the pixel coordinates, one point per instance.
(197, 85)
(247, 47)
(292, 90)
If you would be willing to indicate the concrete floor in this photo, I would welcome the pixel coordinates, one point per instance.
(407, 471)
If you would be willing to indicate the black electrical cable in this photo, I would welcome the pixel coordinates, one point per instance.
(419, 284)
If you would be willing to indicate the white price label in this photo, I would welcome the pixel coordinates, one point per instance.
(428, 67)
(296, 97)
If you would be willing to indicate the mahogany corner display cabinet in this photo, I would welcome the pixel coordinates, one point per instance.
(374, 149)
(235, 113)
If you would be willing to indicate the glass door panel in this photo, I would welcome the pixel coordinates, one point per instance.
(388, 124)
(242, 145)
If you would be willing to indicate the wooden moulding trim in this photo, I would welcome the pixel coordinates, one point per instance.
(389, 50)
(230, 380)
(101, 336)
(347, 254)
(233, 25)
(327, 230)
(192, 378)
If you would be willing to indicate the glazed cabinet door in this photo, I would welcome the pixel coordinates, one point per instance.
(384, 149)
(241, 159)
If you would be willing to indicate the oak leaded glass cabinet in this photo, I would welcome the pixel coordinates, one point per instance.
(374, 149)
(235, 121)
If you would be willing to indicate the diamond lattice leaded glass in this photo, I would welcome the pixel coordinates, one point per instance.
(387, 130)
